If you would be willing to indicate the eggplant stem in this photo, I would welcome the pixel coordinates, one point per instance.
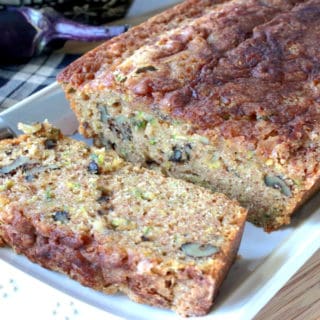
(69, 30)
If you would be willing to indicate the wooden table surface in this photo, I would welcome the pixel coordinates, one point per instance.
(299, 299)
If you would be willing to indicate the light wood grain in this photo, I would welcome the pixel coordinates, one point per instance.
(299, 298)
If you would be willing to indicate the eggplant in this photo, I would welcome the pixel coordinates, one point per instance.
(27, 32)
(93, 12)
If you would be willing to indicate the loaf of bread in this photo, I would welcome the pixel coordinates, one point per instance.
(224, 94)
(114, 226)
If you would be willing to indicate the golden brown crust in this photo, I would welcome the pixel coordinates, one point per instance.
(268, 85)
(56, 249)
(238, 75)
(113, 51)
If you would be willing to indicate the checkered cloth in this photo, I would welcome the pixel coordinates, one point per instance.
(20, 81)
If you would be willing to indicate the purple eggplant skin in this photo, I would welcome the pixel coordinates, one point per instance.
(26, 32)
(16, 38)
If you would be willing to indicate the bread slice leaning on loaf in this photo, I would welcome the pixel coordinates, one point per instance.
(224, 94)
(113, 226)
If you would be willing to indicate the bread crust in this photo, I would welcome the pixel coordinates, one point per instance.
(261, 87)
(85, 69)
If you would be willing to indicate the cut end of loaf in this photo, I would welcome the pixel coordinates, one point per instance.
(113, 226)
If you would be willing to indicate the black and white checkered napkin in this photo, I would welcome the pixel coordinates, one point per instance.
(20, 81)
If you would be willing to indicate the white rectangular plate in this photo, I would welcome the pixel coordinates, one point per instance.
(266, 261)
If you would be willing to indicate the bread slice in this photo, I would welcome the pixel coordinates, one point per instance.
(113, 226)
(227, 97)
